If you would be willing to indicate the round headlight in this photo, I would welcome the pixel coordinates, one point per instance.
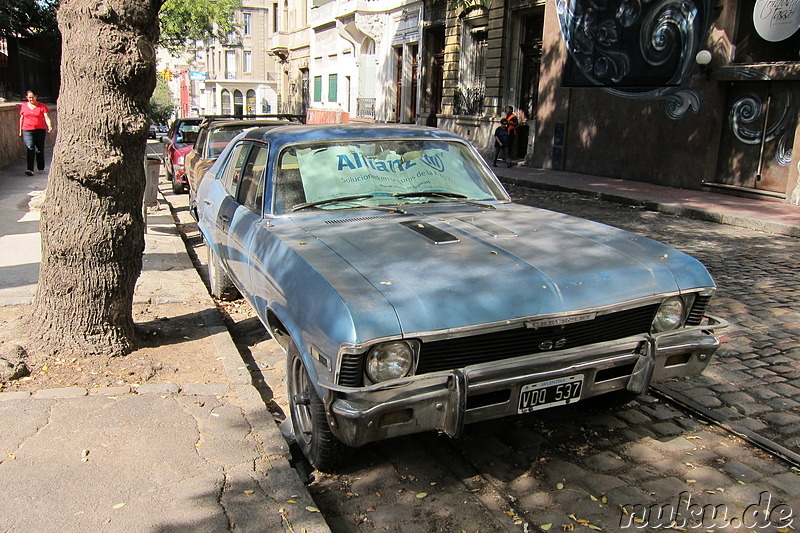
(669, 315)
(389, 360)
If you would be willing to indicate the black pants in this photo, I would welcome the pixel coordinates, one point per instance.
(34, 141)
(506, 154)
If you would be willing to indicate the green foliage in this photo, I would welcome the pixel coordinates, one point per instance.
(28, 18)
(182, 21)
(186, 21)
(161, 103)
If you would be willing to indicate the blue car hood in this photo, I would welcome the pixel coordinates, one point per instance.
(446, 269)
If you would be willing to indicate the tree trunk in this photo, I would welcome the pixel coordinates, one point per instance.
(92, 226)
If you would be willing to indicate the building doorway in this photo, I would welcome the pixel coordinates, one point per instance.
(398, 104)
(756, 143)
(238, 103)
(412, 112)
(434, 78)
(531, 59)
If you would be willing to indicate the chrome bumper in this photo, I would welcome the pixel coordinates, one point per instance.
(446, 401)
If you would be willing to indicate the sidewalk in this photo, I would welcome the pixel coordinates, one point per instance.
(762, 215)
(188, 457)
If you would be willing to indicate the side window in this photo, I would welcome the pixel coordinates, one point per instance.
(251, 190)
(233, 170)
(201, 141)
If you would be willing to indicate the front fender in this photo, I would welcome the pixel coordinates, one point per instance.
(320, 314)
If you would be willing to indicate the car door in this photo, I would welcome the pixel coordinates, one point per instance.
(193, 158)
(216, 203)
(244, 226)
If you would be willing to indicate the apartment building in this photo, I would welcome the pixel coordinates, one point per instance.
(237, 75)
(363, 58)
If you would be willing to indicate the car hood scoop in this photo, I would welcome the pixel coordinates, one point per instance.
(431, 232)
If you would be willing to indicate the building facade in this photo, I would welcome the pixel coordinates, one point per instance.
(693, 94)
(363, 57)
(240, 76)
(699, 94)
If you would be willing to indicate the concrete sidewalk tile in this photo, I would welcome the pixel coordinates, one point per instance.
(110, 391)
(203, 389)
(158, 388)
(21, 395)
(66, 392)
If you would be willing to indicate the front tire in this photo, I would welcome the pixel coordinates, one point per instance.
(221, 285)
(311, 430)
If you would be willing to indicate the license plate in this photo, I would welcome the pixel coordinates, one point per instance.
(558, 391)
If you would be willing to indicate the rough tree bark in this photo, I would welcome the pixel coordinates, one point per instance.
(92, 226)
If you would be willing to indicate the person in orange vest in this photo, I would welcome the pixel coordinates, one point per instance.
(513, 123)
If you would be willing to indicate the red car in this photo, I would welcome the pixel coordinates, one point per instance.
(177, 143)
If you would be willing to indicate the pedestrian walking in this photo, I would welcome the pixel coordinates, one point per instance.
(34, 124)
(513, 124)
(501, 142)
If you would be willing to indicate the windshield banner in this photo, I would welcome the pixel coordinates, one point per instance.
(339, 171)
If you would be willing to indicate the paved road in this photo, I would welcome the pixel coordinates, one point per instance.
(578, 467)
(755, 380)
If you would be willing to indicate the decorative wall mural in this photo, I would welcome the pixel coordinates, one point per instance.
(746, 115)
(641, 49)
(746, 120)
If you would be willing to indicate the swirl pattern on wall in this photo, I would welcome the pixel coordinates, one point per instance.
(746, 122)
(639, 49)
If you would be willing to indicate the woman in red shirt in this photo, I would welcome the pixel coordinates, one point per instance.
(34, 123)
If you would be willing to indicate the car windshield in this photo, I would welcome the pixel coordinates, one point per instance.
(187, 133)
(220, 137)
(350, 174)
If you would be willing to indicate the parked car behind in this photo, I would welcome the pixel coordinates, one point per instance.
(410, 294)
(177, 143)
(214, 134)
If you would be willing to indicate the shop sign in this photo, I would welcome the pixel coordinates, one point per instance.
(776, 20)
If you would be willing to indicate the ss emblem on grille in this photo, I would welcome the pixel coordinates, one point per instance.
(551, 344)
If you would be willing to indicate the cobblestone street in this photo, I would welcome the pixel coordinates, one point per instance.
(590, 467)
(754, 380)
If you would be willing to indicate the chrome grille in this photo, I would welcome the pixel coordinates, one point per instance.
(698, 310)
(475, 349)
(483, 348)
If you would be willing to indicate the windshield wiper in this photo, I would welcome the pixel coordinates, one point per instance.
(437, 194)
(298, 207)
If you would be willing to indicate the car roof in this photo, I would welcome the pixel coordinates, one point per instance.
(305, 133)
(252, 123)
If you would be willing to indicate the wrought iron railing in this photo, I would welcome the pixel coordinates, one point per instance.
(469, 101)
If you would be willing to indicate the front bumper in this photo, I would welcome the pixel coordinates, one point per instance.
(446, 401)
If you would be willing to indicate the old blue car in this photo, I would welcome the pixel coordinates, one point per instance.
(411, 294)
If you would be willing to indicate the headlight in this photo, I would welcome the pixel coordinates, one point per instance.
(669, 315)
(389, 360)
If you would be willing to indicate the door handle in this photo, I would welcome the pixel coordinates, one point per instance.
(225, 218)
(207, 202)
